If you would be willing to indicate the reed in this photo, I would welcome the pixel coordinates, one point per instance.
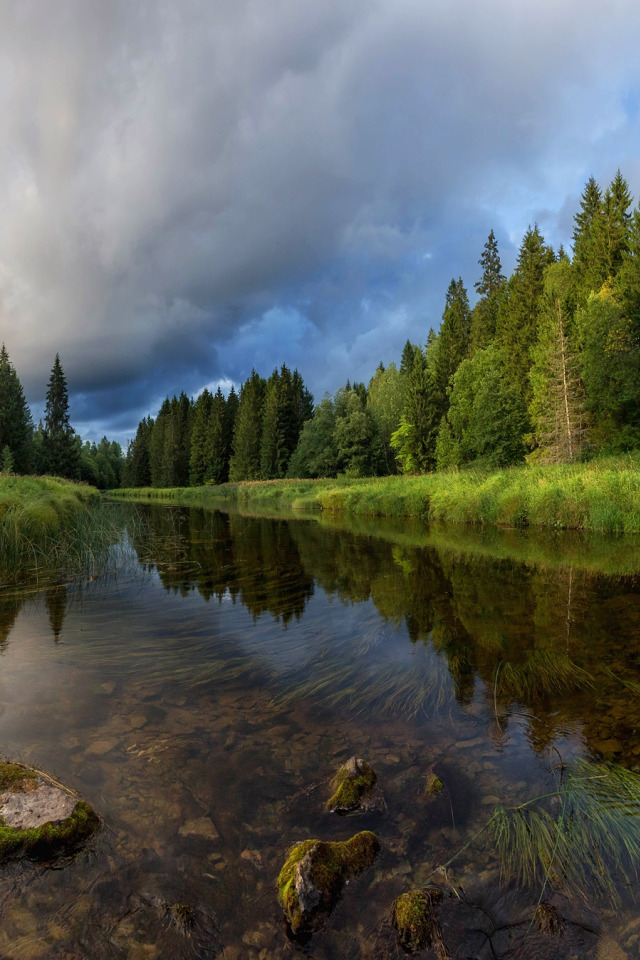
(52, 529)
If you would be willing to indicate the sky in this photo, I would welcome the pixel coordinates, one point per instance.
(189, 190)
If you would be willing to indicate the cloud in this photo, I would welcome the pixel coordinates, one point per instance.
(190, 190)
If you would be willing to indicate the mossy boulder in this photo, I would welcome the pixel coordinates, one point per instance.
(354, 788)
(415, 921)
(40, 818)
(312, 879)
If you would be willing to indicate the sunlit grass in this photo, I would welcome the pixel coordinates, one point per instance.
(603, 496)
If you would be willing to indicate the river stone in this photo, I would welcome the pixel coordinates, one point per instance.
(40, 818)
(44, 804)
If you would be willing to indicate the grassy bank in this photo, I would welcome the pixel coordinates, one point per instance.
(603, 496)
(48, 527)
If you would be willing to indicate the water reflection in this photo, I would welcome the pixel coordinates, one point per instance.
(203, 697)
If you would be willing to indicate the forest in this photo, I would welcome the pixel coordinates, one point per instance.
(544, 368)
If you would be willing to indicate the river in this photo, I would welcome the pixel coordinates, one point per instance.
(202, 695)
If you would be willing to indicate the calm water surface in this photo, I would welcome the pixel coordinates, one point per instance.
(203, 698)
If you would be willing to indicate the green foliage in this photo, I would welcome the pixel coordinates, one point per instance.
(385, 400)
(558, 406)
(59, 452)
(590, 836)
(518, 315)
(316, 453)
(8, 463)
(489, 287)
(610, 368)
(415, 439)
(247, 434)
(355, 437)
(486, 417)
(15, 419)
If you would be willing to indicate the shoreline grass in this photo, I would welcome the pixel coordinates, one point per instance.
(601, 496)
(49, 527)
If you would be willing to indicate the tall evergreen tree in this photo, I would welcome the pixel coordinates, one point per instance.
(489, 288)
(587, 222)
(247, 434)
(453, 337)
(16, 426)
(216, 466)
(518, 316)
(198, 456)
(59, 451)
(415, 439)
(230, 413)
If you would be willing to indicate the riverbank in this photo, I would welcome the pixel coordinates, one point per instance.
(47, 523)
(602, 496)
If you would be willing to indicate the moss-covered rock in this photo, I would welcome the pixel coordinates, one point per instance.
(353, 788)
(416, 923)
(433, 785)
(311, 881)
(40, 818)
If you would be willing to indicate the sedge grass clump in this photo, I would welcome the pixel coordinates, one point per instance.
(51, 528)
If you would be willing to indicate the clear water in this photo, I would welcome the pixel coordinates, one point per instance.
(202, 698)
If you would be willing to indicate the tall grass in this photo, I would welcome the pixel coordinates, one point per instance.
(51, 529)
(602, 496)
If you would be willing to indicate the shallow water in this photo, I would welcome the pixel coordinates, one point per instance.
(203, 697)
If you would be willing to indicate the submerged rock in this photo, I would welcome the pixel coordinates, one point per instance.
(311, 881)
(416, 923)
(433, 785)
(38, 817)
(354, 787)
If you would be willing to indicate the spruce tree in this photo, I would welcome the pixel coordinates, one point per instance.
(198, 456)
(230, 413)
(247, 434)
(517, 327)
(59, 450)
(16, 426)
(216, 466)
(489, 288)
(415, 439)
(453, 338)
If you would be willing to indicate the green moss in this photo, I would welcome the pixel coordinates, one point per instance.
(433, 784)
(49, 839)
(414, 919)
(350, 784)
(13, 776)
(311, 881)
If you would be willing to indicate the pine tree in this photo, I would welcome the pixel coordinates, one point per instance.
(587, 222)
(489, 288)
(59, 451)
(16, 426)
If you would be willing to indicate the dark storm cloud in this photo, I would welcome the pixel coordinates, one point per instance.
(193, 189)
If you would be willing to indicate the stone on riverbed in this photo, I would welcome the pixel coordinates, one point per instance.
(311, 881)
(354, 787)
(38, 817)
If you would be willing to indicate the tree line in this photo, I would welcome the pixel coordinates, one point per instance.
(544, 367)
(52, 447)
